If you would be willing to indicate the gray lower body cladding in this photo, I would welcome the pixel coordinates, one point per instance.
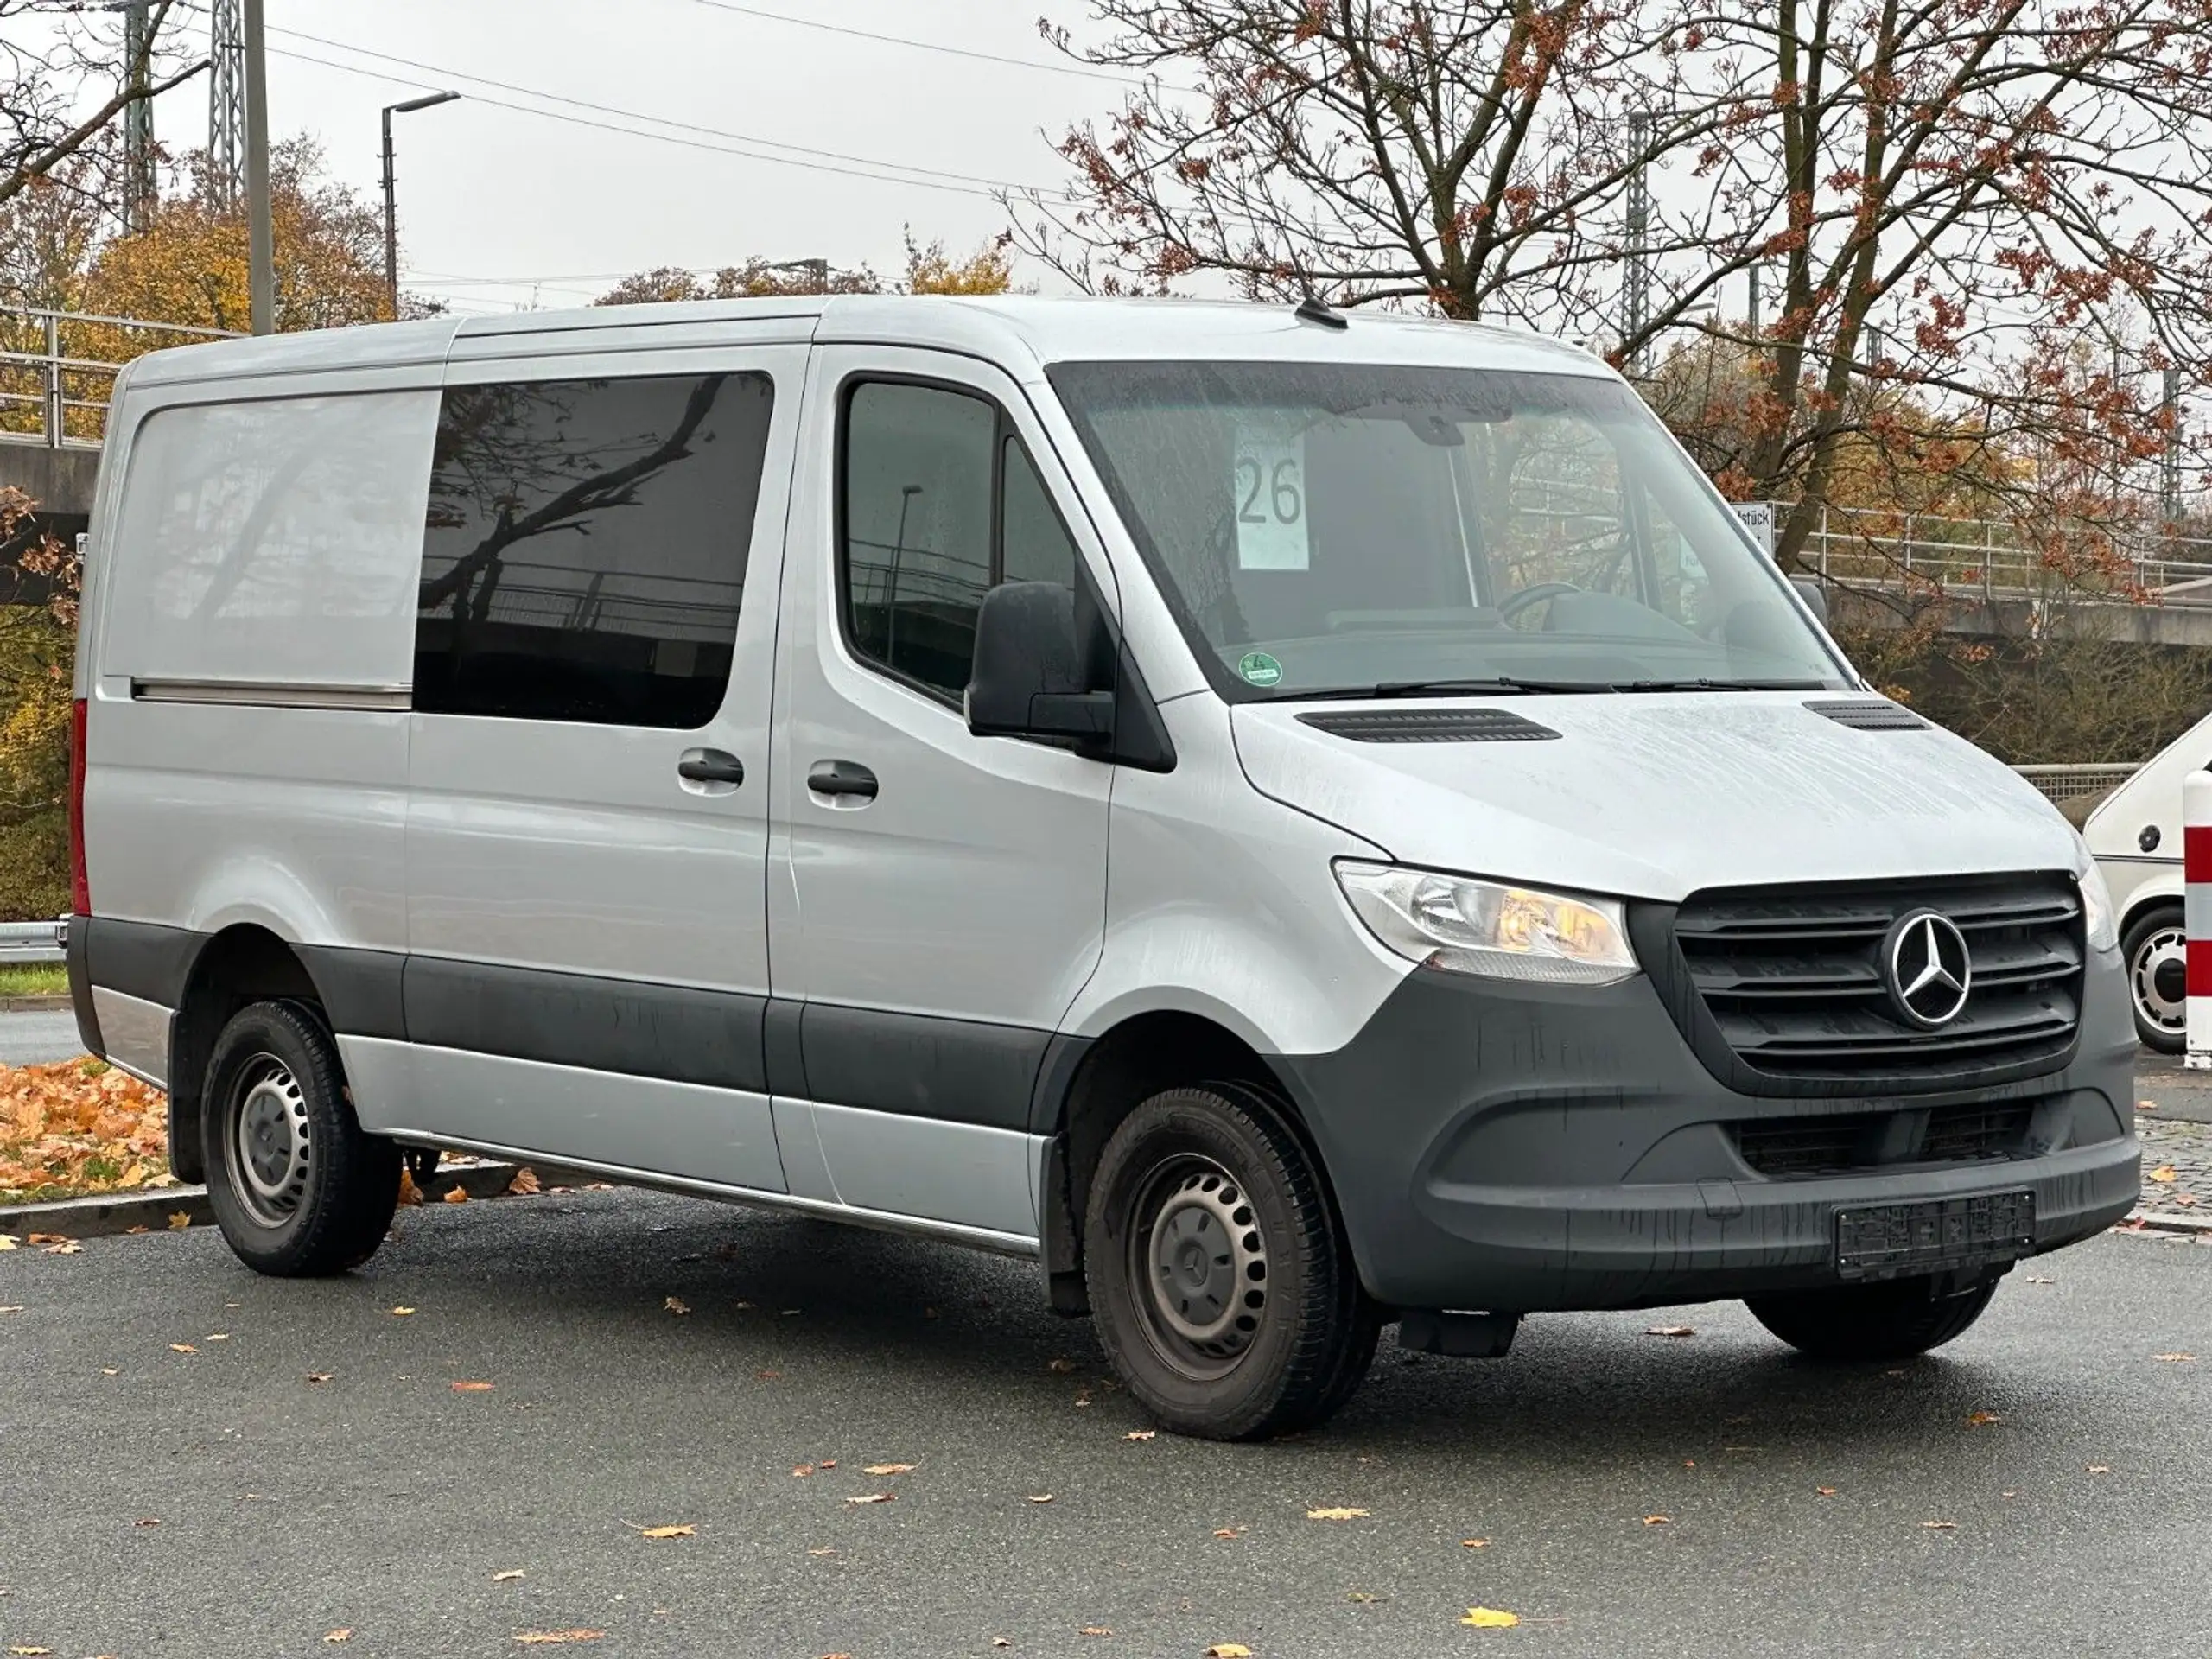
(1523, 1149)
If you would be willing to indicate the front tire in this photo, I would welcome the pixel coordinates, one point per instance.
(298, 1189)
(2155, 953)
(1856, 1322)
(1223, 1289)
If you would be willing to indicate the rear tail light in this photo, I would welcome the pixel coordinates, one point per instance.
(80, 887)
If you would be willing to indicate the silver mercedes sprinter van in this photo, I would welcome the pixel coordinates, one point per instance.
(1295, 823)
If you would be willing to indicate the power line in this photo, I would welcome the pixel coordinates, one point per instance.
(978, 189)
(738, 143)
(1086, 71)
(638, 115)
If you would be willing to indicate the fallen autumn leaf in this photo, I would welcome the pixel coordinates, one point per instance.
(886, 1468)
(1474, 1543)
(472, 1388)
(508, 1576)
(1041, 1497)
(1227, 1650)
(179, 1220)
(343, 1633)
(1094, 1630)
(2165, 1175)
(1670, 1331)
(872, 1497)
(677, 1305)
(402, 1313)
(2174, 1359)
(668, 1532)
(1335, 1514)
(1141, 1434)
(1982, 1418)
(1939, 1526)
(1490, 1618)
(182, 1348)
(321, 1376)
(1658, 1520)
(536, 1638)
(456, 1194)
(524, 1184)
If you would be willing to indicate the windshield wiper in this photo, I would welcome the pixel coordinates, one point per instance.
(1703, 685)
(1442, 689)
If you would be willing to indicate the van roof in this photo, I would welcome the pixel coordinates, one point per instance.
(1019, 331)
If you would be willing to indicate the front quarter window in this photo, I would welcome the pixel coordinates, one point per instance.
(1323, 528)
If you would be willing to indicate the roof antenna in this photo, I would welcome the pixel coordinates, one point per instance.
(1313, 307)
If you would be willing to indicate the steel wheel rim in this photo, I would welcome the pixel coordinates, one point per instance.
(2168, 946)
(1199, 1262)
(272, 1151)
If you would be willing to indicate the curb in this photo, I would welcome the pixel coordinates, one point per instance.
(58, 1003)
(105, 1214)
(2165, 1221)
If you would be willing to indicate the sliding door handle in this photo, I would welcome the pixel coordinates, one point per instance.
(841, 777)
(710, 766)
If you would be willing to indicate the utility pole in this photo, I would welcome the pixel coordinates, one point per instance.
(261, 242)
(226, 105)
(1636, 277)
(391, 200)
(137, 121)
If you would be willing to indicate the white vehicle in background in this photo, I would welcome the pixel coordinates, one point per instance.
(2135, 836)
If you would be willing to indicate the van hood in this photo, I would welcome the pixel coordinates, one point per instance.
(1657, 796)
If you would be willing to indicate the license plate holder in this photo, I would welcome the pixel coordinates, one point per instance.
(1887, 1241)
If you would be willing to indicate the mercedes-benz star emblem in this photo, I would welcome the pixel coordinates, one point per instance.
(1928, 968)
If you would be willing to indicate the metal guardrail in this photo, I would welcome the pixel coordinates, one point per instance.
(1997, 559)
(2077, 783)
(34, 941)
(40, 369)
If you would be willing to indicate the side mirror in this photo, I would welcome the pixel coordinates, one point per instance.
(1034, 673)
(1815, 596)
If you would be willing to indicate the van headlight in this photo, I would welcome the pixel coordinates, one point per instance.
(2097, 921)
(1464, 925)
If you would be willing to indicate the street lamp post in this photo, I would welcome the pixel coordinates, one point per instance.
(390, 211)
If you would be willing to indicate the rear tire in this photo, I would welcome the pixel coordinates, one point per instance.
(297, 1188)
(1893, 1320)
(1220, 1282)
(2154, 952)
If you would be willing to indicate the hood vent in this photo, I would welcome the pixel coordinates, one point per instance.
(1880, 715)
(1430, 726)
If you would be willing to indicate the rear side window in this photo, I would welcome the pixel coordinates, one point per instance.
(940, 503)
(271, 542)
(584, 546)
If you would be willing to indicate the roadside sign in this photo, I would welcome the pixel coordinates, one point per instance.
(1761, 519)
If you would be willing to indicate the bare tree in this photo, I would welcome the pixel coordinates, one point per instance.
(48, 49)
(1453, 153)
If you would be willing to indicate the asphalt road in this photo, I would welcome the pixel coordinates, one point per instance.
(38, 1038)
(386, 1502)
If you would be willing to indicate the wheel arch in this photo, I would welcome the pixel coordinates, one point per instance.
(1086, 1095)
(243, 962)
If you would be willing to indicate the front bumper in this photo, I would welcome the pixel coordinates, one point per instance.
(1517, 1148)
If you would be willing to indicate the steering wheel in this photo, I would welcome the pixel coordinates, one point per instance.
(1536, 596)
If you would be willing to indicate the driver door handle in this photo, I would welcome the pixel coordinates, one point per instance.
(841, 777)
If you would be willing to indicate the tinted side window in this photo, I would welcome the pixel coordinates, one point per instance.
(940, 503)
(584, 551)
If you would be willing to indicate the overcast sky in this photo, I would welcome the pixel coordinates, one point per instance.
(498, 207)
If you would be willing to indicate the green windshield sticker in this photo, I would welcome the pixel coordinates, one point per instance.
(1259, 669)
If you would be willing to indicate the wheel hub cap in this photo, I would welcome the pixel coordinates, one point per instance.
(1207, 1262)
(269, 1139)
(2159, 978)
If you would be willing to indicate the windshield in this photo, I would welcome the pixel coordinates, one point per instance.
(1326, 528)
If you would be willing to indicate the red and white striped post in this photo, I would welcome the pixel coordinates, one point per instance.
(2196, 915)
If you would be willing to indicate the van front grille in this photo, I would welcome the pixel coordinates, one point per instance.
(1785, 990)
(1782, 1147)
